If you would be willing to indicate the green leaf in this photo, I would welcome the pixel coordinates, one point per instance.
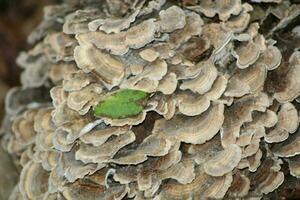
(123, 104)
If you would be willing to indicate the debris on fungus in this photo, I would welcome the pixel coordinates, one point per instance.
(122, 104)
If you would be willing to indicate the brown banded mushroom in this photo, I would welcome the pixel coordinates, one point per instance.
(73, 169)
(77, 22)
(239, 23)
(192, 105)
(250, 80)
(203, 185)
(194, 49)
(294, 166)
(195, 130)
(33, 181)
(252, 162)
(289, 147)
(224, 162)
(288, 122)
(61, 46)
(145, 149)
(271, 57)
(240, 186)
(223, 9)
(123, 40)
(247, 54)
(24, 129)
(239, 113)
(264, 183)
(149, 55)
(291, 87)
(171, 19)
(108, 68)
(103, 153)
(203, 82)
(109, 25)
(57, 71)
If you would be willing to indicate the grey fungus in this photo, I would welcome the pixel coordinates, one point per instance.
(171, 19)
(90, 59)
(223, 9)
(291, 89)
(221, 117)
(224, 162)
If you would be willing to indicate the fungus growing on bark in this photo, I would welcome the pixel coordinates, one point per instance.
(157, 100)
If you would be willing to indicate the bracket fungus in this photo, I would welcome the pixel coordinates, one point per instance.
(157, 99)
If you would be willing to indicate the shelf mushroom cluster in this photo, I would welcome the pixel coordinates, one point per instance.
(221, 118)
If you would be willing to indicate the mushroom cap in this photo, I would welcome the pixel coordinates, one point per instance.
(224, 162)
